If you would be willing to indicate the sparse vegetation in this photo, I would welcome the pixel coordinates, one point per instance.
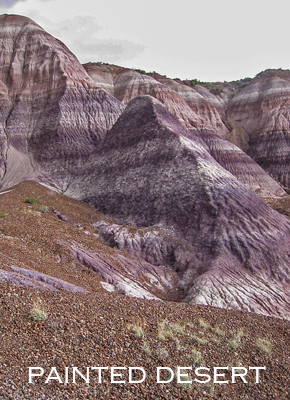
(178, 345)
(218, 332)
(198, 340)
(218, 89)
(236, 340)
(146, 348)
(137, 330)
(43, 209)
(281, 73)
(196, 355)
(31, 200)
(240, 334)
(264, 345)
(162, 330)
(198, 82)
(209, 388)
(177, 327)
(242, 82)
(185, 385)
(3, 215)
(37, 312)
(203, 324)
(167, 330)
(215, 340)
(233, 343)
(141, 71)
(163, 354)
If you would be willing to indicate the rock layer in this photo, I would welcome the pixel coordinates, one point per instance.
(127, 276)
(191, 108)
(152, 171)
(242, 166)
(196, 107)
(260, 116)
(52, 113)
(30, 278)
(210, 109)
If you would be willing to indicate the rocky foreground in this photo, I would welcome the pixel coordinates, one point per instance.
(109, 330)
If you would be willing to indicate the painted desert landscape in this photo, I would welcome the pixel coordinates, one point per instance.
(144, 223)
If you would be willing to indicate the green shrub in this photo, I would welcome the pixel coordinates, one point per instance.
(141, 71)
(3, 215)
(31, 200)
(217, 90)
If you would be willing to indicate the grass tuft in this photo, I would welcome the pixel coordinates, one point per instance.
(146, 348)
(196, 355)
(163, 354)
(137, 330)
(264, 345)
(31, 200)
(203, 324)
(234, 343)
(37, 312)
(170, 330)
(43, 209)
(218, 332)
(198, 340)
(236, 340)
(3, 215)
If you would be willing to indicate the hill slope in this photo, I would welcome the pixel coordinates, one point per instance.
(150, 171)
(216, 109)
(178, 198)
(52, 113)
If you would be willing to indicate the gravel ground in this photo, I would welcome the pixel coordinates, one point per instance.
(110, 330)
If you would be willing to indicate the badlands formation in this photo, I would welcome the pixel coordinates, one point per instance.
(179, 172)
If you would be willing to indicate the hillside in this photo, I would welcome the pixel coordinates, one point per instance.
(251, 113)
(98, 328)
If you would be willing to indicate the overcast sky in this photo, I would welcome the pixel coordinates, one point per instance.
(210, 40)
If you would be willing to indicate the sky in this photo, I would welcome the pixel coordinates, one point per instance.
(208, 40)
